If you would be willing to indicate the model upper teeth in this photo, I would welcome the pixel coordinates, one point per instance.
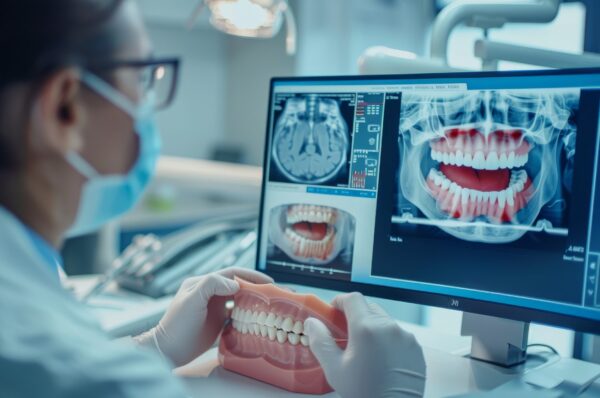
(481, 161)
(269, 325)
(310, 213)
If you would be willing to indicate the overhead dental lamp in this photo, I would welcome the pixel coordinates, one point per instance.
(250, 18)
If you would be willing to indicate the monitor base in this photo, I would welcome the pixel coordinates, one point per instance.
(496, 340)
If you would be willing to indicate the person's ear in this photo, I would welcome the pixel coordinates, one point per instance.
(58, 115)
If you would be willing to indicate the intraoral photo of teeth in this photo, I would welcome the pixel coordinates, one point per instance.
(307, 234)
(311, 138)
(486, 166)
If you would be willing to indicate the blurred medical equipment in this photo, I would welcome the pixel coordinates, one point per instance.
(250, 18)
(484, 15)
(158, 268)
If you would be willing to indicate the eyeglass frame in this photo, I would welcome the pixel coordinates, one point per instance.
(174, 62)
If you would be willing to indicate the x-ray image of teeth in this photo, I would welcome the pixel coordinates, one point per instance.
(311, 235)
(311, 138)
(487, 166)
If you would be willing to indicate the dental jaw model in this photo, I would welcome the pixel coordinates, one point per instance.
(265, 339)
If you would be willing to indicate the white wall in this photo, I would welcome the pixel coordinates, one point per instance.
(195, 121)
(334, 33)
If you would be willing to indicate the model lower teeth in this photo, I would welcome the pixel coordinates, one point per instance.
(269, 325)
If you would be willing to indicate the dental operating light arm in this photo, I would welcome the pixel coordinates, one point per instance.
(487, 15)
(490, 52)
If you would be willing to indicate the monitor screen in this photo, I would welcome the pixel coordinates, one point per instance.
(474, 191)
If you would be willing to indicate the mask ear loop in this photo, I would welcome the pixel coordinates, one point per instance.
(116, 98)
(81, 166)
(109, 93)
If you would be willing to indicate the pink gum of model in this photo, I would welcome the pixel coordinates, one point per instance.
(258, 342)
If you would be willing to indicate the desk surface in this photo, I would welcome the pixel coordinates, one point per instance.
(447, 375)
(449, 372)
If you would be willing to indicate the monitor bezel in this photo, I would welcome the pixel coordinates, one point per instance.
(484, 307)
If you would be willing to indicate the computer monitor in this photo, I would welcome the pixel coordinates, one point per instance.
(470, 191)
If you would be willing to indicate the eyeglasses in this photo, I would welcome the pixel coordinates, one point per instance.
(157, 76)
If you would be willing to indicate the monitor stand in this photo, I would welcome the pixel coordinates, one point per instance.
(504, 342)
(496, 340)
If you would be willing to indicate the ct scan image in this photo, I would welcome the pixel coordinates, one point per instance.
(312, 138)
(486, 166)
(309, 234)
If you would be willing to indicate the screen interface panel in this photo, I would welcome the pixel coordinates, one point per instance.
(478, 187)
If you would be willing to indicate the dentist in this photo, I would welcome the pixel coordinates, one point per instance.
(79, 88)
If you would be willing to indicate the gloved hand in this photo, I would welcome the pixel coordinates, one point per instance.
(380, 360)
(196, 315)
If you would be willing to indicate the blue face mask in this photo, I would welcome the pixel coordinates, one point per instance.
(105, 197)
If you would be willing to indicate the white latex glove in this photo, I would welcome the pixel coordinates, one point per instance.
(380, 360)
(196, 315)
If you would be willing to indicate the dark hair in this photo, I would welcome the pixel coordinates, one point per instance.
(38, 37)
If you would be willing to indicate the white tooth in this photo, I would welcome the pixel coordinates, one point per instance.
(298, 328)
(244, 328)
(503, 162)
(519, 186)
(254, 317)
(452, 158)
(437, 180)
(468, 145)
(522, 176)
(491, 163)
(287, 324)
(479, 160)
(278, 321)
(234, 313)
(262, 317)
(468, 159)
(446, 158)
(455, 200)
(293, 338)
(502, 198)
(480, 196)
(525, 159)
(255, 328)
(435, 155)
(454, 188)
(459, 158)
(485, 196)
(272, 332)
(281, 336)
(464, 195)
(270, 321)
(493, 196)
(473, 195)
(263, 331)
(510, 196)
(431, 175)
(234, 323)
(445, 183)
(304, 340)
(510, 163)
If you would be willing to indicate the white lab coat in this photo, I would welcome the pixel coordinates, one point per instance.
(50, 346)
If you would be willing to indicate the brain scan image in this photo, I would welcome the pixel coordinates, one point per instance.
(310, 234)
(487, 166)
(311, 139)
